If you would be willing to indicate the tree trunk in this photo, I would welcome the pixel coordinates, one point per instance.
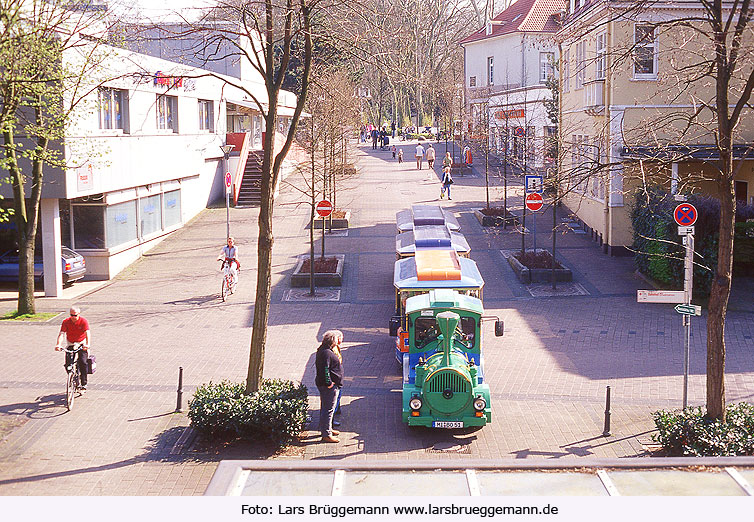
(719, 294)
(264, 262)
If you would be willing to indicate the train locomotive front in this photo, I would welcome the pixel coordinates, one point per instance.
(443, 373)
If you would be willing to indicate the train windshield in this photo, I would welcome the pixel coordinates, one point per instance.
(426, 331)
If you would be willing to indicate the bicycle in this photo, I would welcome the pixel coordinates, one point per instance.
(229, 280)
(73, 381)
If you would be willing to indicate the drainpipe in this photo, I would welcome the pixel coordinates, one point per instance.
(607, 100)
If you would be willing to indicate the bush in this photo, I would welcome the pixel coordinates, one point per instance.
(658, 252)
(277, 411)
(689, 433)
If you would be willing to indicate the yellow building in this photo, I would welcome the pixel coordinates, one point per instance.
(635, 109)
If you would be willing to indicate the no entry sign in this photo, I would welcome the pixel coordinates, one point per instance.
(324, 208)
(685, 214)
(534, 201)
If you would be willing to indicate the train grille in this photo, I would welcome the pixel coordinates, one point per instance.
(448, 380)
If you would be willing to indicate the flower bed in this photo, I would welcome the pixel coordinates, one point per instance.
(536, 268)
(327, 272)
(495, 217)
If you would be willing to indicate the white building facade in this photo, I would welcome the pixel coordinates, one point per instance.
(142, 158)
(506, 66)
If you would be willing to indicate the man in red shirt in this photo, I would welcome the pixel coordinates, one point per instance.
(75, 329)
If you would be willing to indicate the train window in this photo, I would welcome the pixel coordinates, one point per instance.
(468, 331)
(425, 331)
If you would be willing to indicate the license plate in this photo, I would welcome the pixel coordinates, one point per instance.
(447, 424)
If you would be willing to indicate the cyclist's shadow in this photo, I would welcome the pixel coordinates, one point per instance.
(43, 407)
(196, 300)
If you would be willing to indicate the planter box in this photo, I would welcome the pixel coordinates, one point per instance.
(336, 222)
(495, 221)
(538, 275)
(301, 279)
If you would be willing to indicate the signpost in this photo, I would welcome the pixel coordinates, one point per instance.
(660, 296)
(688, 309)
(685, 214)
(323, 208)
(534, 184)
(534, 203)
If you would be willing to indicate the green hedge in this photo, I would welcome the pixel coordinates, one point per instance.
(276, 412)
(688, 433)
(657, 246)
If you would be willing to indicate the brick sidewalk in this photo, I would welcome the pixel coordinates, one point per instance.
(548, 373)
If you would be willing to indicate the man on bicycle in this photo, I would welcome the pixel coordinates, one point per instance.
(75, 329)
(229, 255)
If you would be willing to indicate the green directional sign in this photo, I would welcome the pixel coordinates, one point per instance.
(688, 309)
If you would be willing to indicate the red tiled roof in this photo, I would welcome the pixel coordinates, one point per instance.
(524, 16)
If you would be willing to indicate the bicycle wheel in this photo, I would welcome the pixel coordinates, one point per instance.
(70, 390)
(224, 289)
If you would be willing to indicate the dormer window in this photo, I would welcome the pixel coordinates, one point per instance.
(488, 28)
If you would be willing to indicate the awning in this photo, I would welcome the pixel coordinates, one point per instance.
(676, 153)
(286, 112)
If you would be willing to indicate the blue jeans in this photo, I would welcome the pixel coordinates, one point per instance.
(446, 187)
(328, 398)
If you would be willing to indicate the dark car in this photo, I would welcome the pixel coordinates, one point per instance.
(73, 264)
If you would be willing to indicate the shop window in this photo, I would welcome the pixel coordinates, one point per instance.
(167, 112)
(150, 215)
(207, 115)
(120, 223)
(88, 227)
(112, 108)
(172, 208)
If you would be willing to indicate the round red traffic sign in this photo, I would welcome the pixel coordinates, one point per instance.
(324, 208)
(534, 201)
(227, 179)
(685, 214)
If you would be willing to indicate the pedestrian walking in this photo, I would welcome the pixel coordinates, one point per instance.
(329, 379)
(430, 161)
(419, 156)
(393, 150)
(447, 181)
(400, 155)
(375, 137)
(447, 161)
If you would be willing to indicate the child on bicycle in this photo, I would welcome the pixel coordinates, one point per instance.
(229, 255)
(75, 329)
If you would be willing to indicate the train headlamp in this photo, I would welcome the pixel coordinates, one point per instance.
(480, 404)
(415, 403)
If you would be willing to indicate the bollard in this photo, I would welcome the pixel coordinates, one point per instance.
(179, 400)
(606, 431)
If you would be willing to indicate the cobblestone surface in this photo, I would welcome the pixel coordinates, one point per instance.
(548, 373)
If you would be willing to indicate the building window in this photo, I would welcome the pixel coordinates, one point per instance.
(551, 144)
(580, 64)
(150, 215)
(601, 59)
(167, 112)
(120, 223)
(490, 71)
(112, 104)
(88, 227)
(206, 115)
(546, 66)
(172, 208)
(566, 71)
(645, 51)
(472, 81)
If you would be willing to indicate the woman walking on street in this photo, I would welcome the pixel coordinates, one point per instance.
(430, 161)
(447, 181)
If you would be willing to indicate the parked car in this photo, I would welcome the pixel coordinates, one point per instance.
(73, 264)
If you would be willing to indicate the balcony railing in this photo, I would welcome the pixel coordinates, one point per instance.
(594, 96)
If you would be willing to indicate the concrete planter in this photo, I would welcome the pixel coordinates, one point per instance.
(538, 275)
(300, 279)
(336, 222)
(495, 221)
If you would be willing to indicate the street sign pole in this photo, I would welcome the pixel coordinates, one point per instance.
(534, 227)
(688, 286)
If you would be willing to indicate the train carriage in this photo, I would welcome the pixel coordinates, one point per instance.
(430, 236)
(419, 215)
(429, 270)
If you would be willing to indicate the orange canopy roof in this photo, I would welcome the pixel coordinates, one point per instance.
(437, 265)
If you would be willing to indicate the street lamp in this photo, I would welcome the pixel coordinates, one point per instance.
(226, 150)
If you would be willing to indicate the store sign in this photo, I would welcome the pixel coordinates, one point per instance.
(511, 113)
(85, 178)
(162, 80)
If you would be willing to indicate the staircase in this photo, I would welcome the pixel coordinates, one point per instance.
(250, 192)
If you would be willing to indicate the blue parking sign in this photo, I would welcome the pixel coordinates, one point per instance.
(533, 184)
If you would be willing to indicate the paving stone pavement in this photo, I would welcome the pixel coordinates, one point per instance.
(548, 374)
